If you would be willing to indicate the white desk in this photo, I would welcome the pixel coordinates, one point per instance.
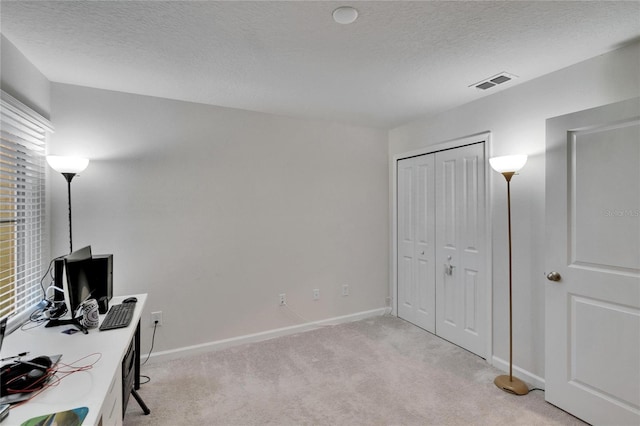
(99, 388)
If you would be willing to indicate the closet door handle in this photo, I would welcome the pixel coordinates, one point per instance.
(448, 267)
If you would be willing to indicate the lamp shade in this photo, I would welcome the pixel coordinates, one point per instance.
(508, 163)
(67, 164)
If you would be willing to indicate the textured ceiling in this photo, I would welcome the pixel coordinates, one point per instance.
(399, 61)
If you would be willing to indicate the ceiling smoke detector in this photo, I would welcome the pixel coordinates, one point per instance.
(493, 81)
(345, 15)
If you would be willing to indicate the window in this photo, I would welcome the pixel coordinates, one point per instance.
(23, 135)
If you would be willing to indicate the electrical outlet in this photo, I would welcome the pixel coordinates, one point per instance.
(156, 317)
(316, 293)
(283, 299)
(345, 290)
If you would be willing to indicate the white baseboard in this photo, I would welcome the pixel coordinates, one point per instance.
(257, 337)
(524, 375)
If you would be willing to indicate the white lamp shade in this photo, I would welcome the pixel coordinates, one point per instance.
(508, 163)
(67, 164)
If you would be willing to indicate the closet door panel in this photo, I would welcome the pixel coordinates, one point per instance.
(416, 248)
(425, 242)
(460, 241)
(405, 239)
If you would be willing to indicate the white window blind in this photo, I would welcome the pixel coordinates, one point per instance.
(23, 135)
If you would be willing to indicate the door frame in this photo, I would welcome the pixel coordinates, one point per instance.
(483, 137)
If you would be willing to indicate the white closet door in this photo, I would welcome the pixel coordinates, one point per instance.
(460, 247)
(416, 250)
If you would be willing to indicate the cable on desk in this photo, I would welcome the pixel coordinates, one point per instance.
(36, 385)
(36, 319)
(74, 369)
(55, 380)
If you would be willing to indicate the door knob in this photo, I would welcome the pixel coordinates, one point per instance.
(554, 276)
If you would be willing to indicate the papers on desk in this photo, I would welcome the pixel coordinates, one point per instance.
(68, 418)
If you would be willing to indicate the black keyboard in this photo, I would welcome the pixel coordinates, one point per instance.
(119, 316)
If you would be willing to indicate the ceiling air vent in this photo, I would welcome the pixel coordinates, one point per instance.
(493, 81)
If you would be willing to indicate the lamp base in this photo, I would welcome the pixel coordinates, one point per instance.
(511, 384)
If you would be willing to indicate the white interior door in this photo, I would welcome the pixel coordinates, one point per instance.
(416, 222)
(460, 247)
(592, 330)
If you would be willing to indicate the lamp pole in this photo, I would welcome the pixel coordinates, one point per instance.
(69, 177)
(507, 176)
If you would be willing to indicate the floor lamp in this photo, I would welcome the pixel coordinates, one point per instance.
(508, 166)
(69, 167)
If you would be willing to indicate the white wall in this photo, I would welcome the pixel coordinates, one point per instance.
(516, 118)
(215, 211)
(22, 80)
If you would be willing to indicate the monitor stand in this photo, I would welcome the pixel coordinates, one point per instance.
(56, 322)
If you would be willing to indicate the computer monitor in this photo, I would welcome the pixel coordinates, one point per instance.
(102, 277)
(79, 283)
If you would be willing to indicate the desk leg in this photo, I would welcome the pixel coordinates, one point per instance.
(144, 407)
(136, 379)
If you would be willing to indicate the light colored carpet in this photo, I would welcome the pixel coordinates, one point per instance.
(379, 371)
